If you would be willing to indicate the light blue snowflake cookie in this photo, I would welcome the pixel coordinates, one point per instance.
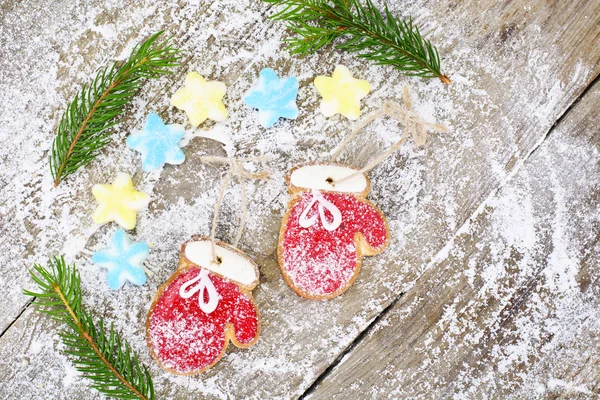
(273, 97)
(123, 261)
(158, 143)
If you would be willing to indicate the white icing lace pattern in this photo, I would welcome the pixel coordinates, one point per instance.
(323, 205)
(187, 290)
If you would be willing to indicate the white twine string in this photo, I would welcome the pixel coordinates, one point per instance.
(238, 171)
(412, 122)
(213, 230)
(238, 236)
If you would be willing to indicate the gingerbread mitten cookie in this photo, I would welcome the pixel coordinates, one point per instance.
(204, 305)
(327, 229)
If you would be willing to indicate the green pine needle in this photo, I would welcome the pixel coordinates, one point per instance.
(82, 131)
(98, 353)
(363, 29)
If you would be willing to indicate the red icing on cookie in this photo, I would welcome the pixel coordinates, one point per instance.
(185, 339)
(319, 263)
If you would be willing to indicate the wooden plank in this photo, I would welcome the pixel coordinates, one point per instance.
(40, 221)
(511, 310)
(513, 76)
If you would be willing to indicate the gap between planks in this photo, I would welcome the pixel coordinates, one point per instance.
(350, 347)
(390, 306)
(509, 176)
(363, 334)
(23, 309)
(184, 62)
(557, 122)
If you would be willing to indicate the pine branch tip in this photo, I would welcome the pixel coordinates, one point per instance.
(82, 131)
(361, 28)
(105, 358)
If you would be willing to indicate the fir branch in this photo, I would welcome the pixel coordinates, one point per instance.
(360, 28)
(101, 356)
(82, 131)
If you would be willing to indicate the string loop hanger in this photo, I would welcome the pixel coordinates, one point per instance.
(413, 124)
(236, 170)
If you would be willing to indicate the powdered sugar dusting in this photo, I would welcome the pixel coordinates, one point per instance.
(320, 262)
(184, 337)
(514, 290)
(507, 91)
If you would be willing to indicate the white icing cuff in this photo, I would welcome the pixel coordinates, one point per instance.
(324, 177)
(234, 266)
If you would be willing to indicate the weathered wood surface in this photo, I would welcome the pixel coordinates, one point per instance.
(511, 310)
(516, 68)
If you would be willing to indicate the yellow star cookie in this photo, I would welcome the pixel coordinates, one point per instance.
(118, 202)
(201, 99)
(341, 93)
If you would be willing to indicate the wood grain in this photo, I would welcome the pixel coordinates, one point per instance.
(516, 67)
(511, 311)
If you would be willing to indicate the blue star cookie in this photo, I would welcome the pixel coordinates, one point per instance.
(158, 143)
(273, 97)
(123, 261)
